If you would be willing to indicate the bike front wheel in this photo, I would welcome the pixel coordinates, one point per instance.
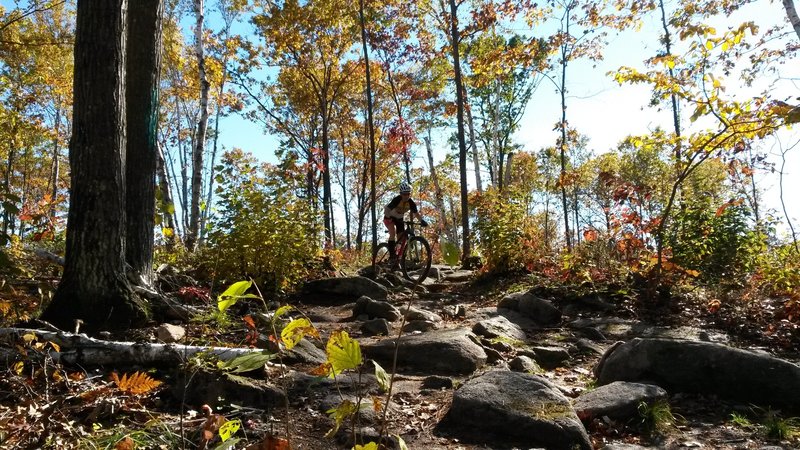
(416, 261)
(380, 257)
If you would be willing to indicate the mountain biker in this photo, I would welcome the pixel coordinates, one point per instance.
(394, 213)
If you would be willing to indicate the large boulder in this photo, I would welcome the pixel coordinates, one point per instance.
(345, 288)
(704, 367)
(440, 352)
(515, 408)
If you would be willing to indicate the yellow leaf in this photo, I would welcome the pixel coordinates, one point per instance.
(229, 428)
(671, 64)
(19, 366)
(370, 446)
(295, 330)
(343, 352)
(709, 44)
(726, 46)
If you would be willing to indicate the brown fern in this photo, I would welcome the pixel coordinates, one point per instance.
(137, 383)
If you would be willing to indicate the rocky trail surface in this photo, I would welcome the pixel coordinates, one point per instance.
(490, 364)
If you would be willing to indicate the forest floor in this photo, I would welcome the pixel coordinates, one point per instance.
(51, 405)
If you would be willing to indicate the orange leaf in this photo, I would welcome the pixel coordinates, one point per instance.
(125, 444)
(270, 443)
(137, 383)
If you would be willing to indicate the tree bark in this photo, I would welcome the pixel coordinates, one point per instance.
(466, 251)
(78, 349)
(94, 287)
(791, 13)
(370, 125)
(202, 127)
(141, 98)
(563, 146)
(437, 193)
(474, 146)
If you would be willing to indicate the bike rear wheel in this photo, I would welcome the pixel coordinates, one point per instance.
(416, 261)
(381, 256)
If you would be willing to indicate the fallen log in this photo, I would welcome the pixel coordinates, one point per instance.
(79, 349)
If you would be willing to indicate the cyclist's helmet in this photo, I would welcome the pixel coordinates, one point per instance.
(405, 188)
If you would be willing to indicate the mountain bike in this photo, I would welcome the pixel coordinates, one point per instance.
(412, 255)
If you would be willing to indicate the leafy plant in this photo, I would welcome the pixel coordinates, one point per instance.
(137, 383)
(656, 417)
(779, 428)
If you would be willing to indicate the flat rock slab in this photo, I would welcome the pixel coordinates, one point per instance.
(705, 367)
(619, 400)
(438, 352)
(347, 288)
(523, 409)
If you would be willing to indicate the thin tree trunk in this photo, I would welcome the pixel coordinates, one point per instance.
(8, 217)
(54, 172)
(474, 146)
(167, 204)
(202, 126)
(326, 175)
(563, 146)
(462, 146)
(437, 193)
(370, 126)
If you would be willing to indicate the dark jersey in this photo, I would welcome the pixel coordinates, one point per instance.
(397, 208)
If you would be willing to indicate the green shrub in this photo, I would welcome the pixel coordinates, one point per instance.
(505, 232)
(262, 230)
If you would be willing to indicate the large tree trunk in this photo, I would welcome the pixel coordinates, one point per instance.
(466, 251)
(94, 287)
(141, 97)
(202, 126)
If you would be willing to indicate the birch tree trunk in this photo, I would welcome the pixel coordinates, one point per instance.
(202, 126)
(449, 230)
(791, 13)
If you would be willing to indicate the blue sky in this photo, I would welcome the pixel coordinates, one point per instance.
(597, 106)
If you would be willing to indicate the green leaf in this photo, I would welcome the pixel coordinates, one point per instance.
(382, 377)
(339, 414)
(401, 442)
(248, 362)
(281, 311)
(343, 352)
(229, 444)
(295, 330)
(229, 428)
(232, 294)
(450, 252)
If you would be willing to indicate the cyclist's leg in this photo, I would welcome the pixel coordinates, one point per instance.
(392, 229)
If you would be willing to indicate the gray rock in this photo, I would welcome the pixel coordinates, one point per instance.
(619, 400)
(346, 287)
(499, 327)
(524, 364)
(169, 333)
(419, 325)
(305, 352)
(437, 382)
(540, 310)
(502, 406)
(375, 309)
(704, 367)
(420, 314)
(376, 327)
(548, 357)
(458, 275)
(440, 352)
